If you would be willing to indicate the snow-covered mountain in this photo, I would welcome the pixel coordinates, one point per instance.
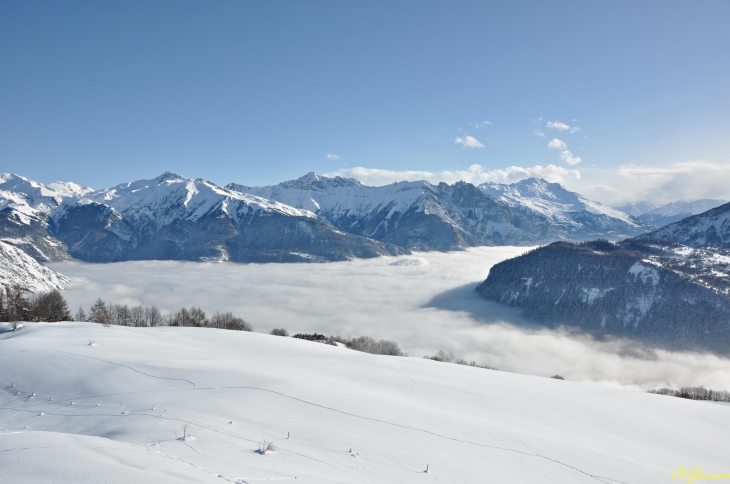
(416, 215)
(17, 267)
(572, 216)
(711, 228)
(637, 208)
(114, 411)
(666, 294)
(676, 211)
(169, 217)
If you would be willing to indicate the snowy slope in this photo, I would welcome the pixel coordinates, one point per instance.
(676, 211)
(711, 228)
(574, 216)
(113, 411)
(417, 215)
(17, 267)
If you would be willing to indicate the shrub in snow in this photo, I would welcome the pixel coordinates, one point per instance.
(279, 332)
(557, 377)
(266, 447)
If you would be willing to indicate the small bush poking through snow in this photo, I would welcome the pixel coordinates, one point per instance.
(266, 447)
(279, 332)
(557, 377)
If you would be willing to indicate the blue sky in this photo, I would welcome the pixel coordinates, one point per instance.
(260, 92)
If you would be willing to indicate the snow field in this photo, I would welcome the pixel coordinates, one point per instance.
(396, 415)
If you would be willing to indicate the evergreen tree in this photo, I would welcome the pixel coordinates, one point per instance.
(99, 313)
(80, 315)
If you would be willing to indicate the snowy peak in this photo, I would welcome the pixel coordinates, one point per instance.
(575, 216)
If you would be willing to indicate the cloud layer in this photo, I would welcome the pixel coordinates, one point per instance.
(425, 302)
(692, 180)
(474, 174)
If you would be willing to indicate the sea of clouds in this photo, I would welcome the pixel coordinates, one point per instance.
(425, 302)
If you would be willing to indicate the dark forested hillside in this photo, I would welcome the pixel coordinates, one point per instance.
(671, 295)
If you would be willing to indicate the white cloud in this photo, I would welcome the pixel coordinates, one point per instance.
(557, 125)
(574, 129)
(565, 155)
(557, 144)
(474, 174)
(332, 156)
(569, 158)
(488, 123)
(468, 142)
(539, 133)
(431, 297)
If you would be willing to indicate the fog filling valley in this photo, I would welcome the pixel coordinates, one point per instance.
(425, 302)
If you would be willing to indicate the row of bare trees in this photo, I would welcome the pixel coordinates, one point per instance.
(16, 305)
(150, 316)
(695, 393)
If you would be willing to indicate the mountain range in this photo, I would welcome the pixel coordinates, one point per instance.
(313, 218)
(169, 217)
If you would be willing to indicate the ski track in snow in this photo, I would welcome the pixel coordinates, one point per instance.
(325, 407)
(413, 382)
(127, 366)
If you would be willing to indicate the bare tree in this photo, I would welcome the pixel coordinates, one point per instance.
(153, 316)
(137, 316)
(197, 317)
(280, 332)
(49, 306)
(229, 321)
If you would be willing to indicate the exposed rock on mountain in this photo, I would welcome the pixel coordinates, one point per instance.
(711, 228)
(572, 216)
(416, 215)
(671, 295)
(17, 267)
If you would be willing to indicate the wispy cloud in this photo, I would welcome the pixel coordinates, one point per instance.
(468, 142)
(691, 180)
(565, 154)
(475, 174)
(332, 156)
(539, 133)
(574, 129)
(569, 158)
(557, 125)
